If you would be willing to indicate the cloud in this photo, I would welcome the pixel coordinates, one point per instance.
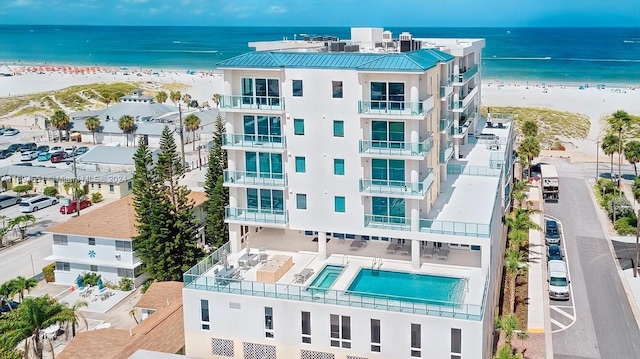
(241, 11)
(275, 9)
(21, 3)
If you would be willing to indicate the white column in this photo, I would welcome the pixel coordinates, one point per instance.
(485, 256)
(234, 238)
(414, 138)
(415, 92)
(322, 245)
(415, 218)
(415, 254)
(414, 180)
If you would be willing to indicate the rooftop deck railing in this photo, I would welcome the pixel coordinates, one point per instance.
(254, 215)
(396, 108)
(454, 169)
(402, 188)
(239, 102)
(455, 228)
(267, 179)
(254, 141)
(416, 149)
(387, 222)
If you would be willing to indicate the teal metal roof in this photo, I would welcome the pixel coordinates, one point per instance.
(414, 61)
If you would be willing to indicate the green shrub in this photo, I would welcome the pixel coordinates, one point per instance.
(146, 285)
(50, 191)
(126, 284)
(22, 188)
(90, 279)
(626, 225)
(49, 272)
(96, 197)
(619, 207)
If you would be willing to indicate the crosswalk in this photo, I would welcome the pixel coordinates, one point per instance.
(562, 317)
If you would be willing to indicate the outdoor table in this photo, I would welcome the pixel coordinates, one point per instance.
(51, 331)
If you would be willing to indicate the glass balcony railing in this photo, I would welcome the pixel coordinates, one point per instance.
(253, 141)
(446, 153)
(387, 222)
(255, 178)
(473, 170)
(446, 90)
(398, 188)
(455, 228)
(391, 108)
(465, 76)
(445, 123)
(390, 148)
(238, 102)
(254, 215)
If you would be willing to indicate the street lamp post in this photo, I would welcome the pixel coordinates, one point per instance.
(597, 160)
(76, 184)
(635, 265)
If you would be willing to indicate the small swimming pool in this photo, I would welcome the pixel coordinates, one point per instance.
(418, 288)
(324, 280)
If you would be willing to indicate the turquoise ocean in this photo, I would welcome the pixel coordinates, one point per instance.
(554, 55)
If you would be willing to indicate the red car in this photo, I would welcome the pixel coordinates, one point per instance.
(72, 207)
(58, 157)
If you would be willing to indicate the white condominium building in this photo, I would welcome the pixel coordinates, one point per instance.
(354, 230)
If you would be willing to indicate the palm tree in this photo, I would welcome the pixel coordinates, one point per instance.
(127, 124)
(530, 148)
(132, 313)
(186, 98)
(60, 120)
(22, 284)
(7, 292)
(93, 124)
(530, 128)
(507, 324)
(27, 322)
(506, 352)
(632, 154)
(216, 99)
(161, 97)
(73, 316)
(22, 222)
(192, 123)
(175, 96)
(618, 122)
(518, 238)
(513, 262)
(518, 193)
(610, 146)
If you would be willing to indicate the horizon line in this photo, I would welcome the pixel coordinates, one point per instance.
(343, 26)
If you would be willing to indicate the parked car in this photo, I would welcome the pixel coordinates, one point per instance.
(35, 203)
(24, 164)
(55, 149)
(29, 156)
(8, 306)
(5, 154)
(73, 206)
(69, 151)
(43, 148)
(2, 131)
(29, 146)
(554, 253)
(8, 201)
(10, 132)
(58, 157)
(14, 147)
(81, 150)
(552, 232)
(558, 279)
(44, 156)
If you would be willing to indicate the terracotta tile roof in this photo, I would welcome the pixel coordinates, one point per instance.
(114, 220)
(160, 295)
(96, 344)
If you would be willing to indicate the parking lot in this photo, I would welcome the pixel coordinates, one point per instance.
(45, 218)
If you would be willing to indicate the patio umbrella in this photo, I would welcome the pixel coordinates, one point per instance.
(225, 260)
(79, 281)
(100, 284)
(248, 247)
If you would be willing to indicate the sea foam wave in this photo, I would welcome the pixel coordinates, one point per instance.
(631, 41)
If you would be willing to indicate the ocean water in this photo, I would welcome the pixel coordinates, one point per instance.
(590, 55)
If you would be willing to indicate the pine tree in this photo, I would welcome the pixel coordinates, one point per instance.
(217, 232)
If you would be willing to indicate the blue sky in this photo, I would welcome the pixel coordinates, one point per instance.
(407, 13)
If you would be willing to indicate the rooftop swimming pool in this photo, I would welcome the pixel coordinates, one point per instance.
(324, 280)
(418, 288)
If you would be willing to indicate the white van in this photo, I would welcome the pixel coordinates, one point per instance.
(558, 280)
(35, 203)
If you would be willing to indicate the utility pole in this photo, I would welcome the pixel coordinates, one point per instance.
(199, 158)
(75, 184)
(184, 162)
(635, 265)
(597, 160)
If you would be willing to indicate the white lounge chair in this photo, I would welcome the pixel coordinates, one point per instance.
(443, 254)
(428, 252)
(303, 275)
(392, 248)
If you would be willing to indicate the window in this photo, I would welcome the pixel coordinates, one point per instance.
(339, 205)
(111, 188)
(268, 322)
(92, 241)
(306, 327)
(262, 128)
(390, 210)
(55, 184)
(301, 201)
(123, 246)
(336, 89)
(93, 268)
(261, 164)
(99, 185)
(265, 199)
(63, 266)
(338, 167)
(416, 343)
(338, 128)
(204, 314)
(375, 335)
(265, 91)
(456, 343)
(125, 273)
(387, 95)
(129, 185)
(340, 331)
(298, 126)
(301, 165)
(92, 185)
(60, 240)
(387, 134)
(297, 88)
(388, 172)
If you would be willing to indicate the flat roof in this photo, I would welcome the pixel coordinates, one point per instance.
(114, 220)
(64, 174)
(116, 155)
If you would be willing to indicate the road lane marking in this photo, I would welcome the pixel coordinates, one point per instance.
(558, 324)
(563, 313)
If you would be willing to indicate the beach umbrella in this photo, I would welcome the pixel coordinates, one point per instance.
(79, 281)
(100, 284)
(225, 259)
(248, 246)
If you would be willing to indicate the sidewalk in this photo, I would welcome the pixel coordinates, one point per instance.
(627, 190)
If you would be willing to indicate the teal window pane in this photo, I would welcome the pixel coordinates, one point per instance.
(249, 125)
(297, 88)
(274, 89)
(277, 200)
(396, 170)
(252, 198)
(396, 131)
(298, 127)
(338, 128)
(380, 206)
(301, 165)
(265, 162)
(263, 127)
(275, 127)
(276, 163)
(301, 201)
(265, 199)
(378, 130)
(338, 167)
(250, 162)
(339, 204)
(379, 169)
(396, 207)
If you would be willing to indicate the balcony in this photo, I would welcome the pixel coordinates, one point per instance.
(251, 103)
(397, 188)
(413, 150)
(446, 91)
(232, 141)
(463, 77)
(387, 222)
(445, 123)
(468, 170)
(396, 108)
(455, 228)
(446, 153)
(461, 104)
(254, 216)
(254, 179)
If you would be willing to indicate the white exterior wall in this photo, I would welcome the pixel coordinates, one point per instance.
(246, 324)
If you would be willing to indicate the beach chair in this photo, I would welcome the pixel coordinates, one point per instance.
(355, 245)
(392, 248)
(405, 249)
(428, 252)
(303, 275)
(443, 254)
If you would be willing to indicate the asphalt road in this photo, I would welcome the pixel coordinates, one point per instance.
(605, 326)
(26, 258)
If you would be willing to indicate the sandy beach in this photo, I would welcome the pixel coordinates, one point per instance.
(592, 102)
